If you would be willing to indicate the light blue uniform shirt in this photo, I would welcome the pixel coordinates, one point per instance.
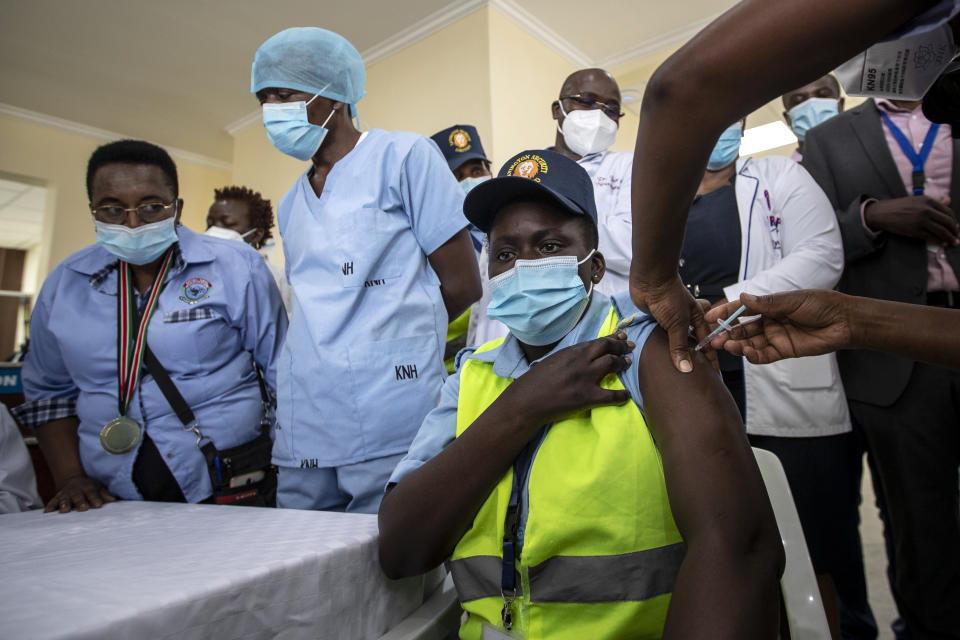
(219, 312)
(361, 365)
(440, 427)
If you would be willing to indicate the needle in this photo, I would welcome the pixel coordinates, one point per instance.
(724, 326)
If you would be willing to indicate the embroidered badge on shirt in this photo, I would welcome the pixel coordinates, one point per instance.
(194, 290)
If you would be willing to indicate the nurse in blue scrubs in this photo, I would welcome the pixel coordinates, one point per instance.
(374, 237)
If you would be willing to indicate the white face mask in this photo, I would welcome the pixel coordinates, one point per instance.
(227, 234)
(900, 69)
(587, 131)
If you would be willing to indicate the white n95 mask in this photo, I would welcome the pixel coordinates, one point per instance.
(903, 69)
(587, 131)
(227, 234)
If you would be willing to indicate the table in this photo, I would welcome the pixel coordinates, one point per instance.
(161, 570)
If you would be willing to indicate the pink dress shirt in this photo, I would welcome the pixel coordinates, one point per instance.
(938, 171)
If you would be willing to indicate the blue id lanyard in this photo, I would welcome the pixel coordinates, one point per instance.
(513, 526)
(916, 159)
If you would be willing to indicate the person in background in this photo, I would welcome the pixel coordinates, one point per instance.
(891, 176)
(810, 105)
(463, 151)
(607, 496)
(375, 240)
(239, 213)
(763, 225)
(18, 482)
(207, 310)
(717, 78)
(588, 116)
(461, 146)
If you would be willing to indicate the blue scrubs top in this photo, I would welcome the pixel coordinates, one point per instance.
(219, 313)
(361, 365)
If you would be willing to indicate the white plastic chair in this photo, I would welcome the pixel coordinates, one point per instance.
(433, 620)
(801, 595)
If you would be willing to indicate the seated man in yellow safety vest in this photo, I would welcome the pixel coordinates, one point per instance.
(580, 486)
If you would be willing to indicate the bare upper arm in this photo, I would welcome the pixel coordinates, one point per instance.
(455, 257)
(455, 264)
(712, 478)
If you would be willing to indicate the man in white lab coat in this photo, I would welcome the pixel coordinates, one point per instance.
(588, 115)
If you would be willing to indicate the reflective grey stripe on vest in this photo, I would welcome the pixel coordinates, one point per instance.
(477, 577)
(627, 577)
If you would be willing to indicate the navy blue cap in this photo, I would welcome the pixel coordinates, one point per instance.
(532, 174)
(459, 143)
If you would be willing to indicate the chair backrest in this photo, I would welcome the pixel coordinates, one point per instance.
(436, 619)
(805, 614)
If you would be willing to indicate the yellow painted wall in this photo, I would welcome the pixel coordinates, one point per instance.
(634, 75)
(437, 82)
(525, 78)
(58, 159)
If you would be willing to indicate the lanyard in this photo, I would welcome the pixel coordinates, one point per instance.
(512, 531)
(916, 159)
(129, 350)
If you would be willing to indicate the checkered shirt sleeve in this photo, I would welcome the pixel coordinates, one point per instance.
(39, 412)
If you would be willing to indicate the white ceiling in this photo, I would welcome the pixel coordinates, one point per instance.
(614, 32)
(21, 214)
(116, 64)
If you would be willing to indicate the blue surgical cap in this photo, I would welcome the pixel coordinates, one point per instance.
(313, 60)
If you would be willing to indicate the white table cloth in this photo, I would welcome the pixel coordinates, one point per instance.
(160, 570)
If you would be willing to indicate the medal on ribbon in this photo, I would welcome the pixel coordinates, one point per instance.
(122, 434)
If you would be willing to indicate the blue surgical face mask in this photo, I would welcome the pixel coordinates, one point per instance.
(141, 245)
(727, 148)
(540, 301)
(291, 131)
(467, 184)
(810, 113)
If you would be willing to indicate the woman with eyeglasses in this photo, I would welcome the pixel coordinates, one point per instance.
(142, 376)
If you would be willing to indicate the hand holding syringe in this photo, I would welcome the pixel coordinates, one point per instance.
(724, 326)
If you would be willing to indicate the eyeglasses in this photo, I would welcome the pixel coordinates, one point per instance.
(590, 101)
(147, 212)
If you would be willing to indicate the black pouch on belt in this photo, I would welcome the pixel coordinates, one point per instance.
(241, 475)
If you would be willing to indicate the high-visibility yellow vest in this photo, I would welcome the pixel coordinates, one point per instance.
(600, 549)
(456, 339)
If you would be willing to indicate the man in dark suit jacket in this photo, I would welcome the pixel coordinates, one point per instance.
(902, 247)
